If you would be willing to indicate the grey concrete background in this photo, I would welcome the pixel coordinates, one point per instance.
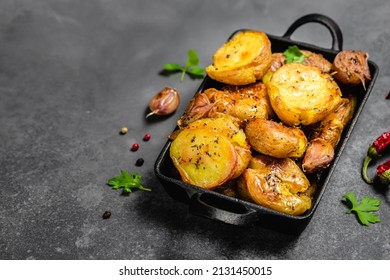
(72, 73)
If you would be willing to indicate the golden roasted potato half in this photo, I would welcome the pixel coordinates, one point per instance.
(227, 126)
(275, 139)
(278, 184)
(203, 157)
(302, 94)
(242, 60)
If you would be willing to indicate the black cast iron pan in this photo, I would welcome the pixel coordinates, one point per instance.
(234, 211)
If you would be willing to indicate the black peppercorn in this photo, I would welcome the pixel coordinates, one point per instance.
(106, 215)
(139, 162)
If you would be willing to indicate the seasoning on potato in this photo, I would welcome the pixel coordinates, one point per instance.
(278, 184)
(203, 157)
(302, 94)
(242, 60)
(275, 139)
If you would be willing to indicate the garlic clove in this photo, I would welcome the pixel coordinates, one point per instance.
(164, 102)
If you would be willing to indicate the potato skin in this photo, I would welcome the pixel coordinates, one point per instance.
(278, 184)
(244, 102)
(302, 94)
(275, 139)
(242, 60)
(320, 152)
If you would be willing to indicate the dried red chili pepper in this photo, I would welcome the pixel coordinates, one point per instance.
(375, 151)
(383, 172)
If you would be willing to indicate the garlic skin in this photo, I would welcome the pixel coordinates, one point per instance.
(164, 102)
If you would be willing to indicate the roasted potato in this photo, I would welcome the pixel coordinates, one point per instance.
(302, 94)
(317, 60)
(203, 157)
(320, 152)
(311, 59)
(243, 102)
(228, 126)
(275, 139)
(196, 155)
(242, 60)
(278, 184)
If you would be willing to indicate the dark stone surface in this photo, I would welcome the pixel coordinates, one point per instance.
(72, 73)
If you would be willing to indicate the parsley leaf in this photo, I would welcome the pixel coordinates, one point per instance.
(293, 54)
(127, 181)
(191, 67)
(364, 209)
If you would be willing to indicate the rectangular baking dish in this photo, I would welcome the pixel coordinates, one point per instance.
(235, 211)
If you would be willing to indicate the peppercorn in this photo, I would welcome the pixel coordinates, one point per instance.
(124, 130)
(139, 162)
(135, 147)
(147, 137)
(383, 172)
(106, 215)
(388, 96)
(374, 152)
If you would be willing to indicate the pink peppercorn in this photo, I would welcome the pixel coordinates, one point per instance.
(135, 147)
(147, 137)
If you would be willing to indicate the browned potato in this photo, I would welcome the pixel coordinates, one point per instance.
(333, 124)
(311, 59)
(317, 60)
(243, 102)
(260, 106)
(320, 152)
(203, 157)
(278, 184)
(242, 60)
(352, 67)
(274, 139)
(301, 94)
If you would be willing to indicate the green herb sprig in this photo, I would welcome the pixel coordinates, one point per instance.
(364, 209)
(293, 54)
(127, 181)
(191, 67)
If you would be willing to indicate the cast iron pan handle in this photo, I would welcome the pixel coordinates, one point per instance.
(335, 31)
(216, 207)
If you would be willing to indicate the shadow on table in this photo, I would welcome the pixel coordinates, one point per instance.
(164, 212)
